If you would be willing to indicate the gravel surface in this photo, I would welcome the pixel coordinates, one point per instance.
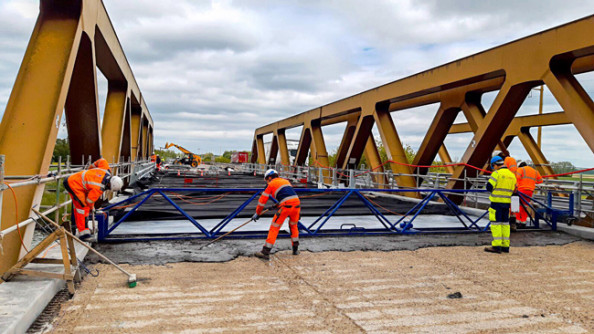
(534, 289)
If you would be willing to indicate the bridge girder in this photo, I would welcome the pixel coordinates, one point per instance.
(552, 57)
(58, 74)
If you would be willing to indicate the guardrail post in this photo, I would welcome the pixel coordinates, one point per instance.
(578, 200)
(334, 179)
(320, 176)
(57, 215)
(352, 179)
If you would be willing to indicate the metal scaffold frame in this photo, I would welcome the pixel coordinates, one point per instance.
(403, 225)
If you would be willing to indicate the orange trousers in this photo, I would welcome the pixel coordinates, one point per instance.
(277, 222)
(522, 216)
(80, 214)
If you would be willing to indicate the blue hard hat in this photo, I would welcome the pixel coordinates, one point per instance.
(496, 160)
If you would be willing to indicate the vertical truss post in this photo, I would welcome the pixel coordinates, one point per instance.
(282, 145)
(395, 150)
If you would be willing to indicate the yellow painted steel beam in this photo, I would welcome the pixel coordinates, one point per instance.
(32, 117)
(345, 142)
(375, 162)
(444, 155)
(318, 149)
(71, 39)
(273, 151)
(552, 56)
(282, 146)
(535, 153)
(261, 151)
(114, 119)
(135, 121)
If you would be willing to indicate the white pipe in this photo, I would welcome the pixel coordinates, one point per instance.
(31, 220)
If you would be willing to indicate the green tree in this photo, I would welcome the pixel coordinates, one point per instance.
(563, 167)
(222, 159)
(227, 154)
(166, 154)
(208, 157)
(62, 149)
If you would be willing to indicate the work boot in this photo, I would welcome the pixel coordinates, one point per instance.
(84, 234)
(264, 253)
(505, 249)
(296, 248)
(492, 249)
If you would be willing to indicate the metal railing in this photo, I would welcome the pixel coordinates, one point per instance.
(388, 222)
(129, 171)
(581, 188)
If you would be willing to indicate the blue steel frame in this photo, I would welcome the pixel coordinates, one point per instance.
(401, 226)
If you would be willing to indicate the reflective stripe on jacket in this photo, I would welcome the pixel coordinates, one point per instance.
(528, 177)
(503, 182)
(281, 190)
(511, 164)
(88, 185)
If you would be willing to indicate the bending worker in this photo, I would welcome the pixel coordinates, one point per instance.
(85, 188)
(528, 178)
(502, 185)
(102, 164)
(288, 206)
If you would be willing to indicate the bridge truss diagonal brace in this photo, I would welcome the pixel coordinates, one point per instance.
(438, 130)
(538, 158)
(490, 130)
(345, 142)
(572, 97)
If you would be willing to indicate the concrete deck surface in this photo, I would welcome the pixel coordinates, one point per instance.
(23, 298)
(534, 289)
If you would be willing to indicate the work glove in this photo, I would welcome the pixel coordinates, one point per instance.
(255, 217)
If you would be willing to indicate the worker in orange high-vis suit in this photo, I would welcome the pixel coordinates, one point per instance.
(528, 178)
(511, 164)
(289, 206)
(85, 188)
(102, 164)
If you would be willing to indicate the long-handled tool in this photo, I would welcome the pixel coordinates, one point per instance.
(131, 277)
(233, 230)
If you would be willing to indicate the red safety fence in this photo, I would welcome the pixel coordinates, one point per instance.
(447, 165)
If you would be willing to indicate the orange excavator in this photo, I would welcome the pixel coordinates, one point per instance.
(189, 158)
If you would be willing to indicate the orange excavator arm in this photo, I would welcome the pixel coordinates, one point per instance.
(196, 160)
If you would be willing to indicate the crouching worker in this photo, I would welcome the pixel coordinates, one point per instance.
(85, 188)
(502, 185)
(288, 206)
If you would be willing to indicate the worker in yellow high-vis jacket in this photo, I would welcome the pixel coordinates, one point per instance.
(502, 185)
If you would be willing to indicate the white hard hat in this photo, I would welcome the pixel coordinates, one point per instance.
(116, 183)
(270, 172)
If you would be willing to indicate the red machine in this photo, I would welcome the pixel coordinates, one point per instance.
(239, 157)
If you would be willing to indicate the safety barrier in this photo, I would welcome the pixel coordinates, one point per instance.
(581, 188)
(402, 225)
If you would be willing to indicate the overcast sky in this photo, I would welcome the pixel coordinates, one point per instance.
(213, 71)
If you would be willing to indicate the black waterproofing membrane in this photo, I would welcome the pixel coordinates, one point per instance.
(203, 205)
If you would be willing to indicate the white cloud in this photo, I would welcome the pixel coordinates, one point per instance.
(213, 71)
